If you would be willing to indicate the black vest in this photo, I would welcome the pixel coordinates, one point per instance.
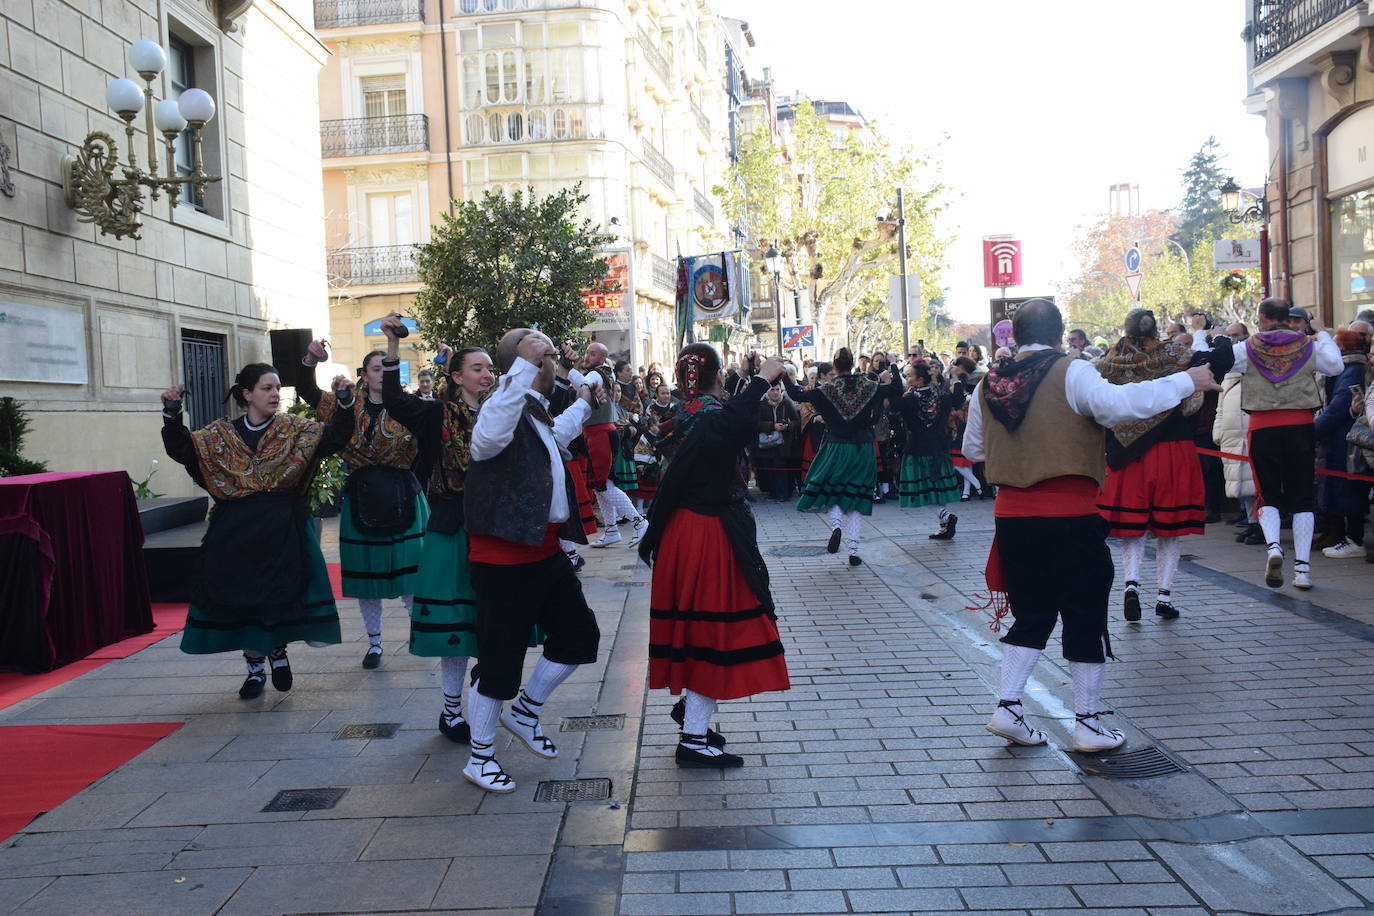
(508, 496)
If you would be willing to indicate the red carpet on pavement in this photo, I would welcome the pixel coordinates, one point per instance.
(44, 765)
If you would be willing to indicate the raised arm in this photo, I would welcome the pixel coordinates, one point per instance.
(176, 438)
(567, 426)
(799, 395)
(338, 432)
(1090, 395)
(416, 414)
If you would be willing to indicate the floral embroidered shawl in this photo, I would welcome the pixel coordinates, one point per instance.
(850, 394)
(1279, 355)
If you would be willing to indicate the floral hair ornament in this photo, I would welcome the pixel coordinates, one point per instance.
(689, 373)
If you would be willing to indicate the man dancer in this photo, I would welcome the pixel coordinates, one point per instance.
(1036, 420)
(602, 442)
(518, 500)
(1278, 389)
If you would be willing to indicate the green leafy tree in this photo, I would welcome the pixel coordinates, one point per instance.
(1199, 214)
(820, 199)
(507, 261)
(14, 426)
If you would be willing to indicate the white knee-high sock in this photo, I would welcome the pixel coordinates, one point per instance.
(1303, 523)
(372, 619)
(853, 522)
(451, 672)
(607, 507)
(1132, 552)
(970, 482)
(1017, 662)
(545, 678)
(1087, 686)
(567, 546)
(836, 516)
(1270, 525)
(696, 717)
(620, 502)
(1167, 553)
(483, 714)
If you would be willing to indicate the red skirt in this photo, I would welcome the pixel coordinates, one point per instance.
(878, 456)
(707, 630)
(808, 455)
(599, 454)
(579, 469)
(1160, 492)
(647, 476)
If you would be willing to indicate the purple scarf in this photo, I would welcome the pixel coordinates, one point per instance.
(1279, 355)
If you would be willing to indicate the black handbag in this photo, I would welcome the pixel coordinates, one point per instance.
(382, 499)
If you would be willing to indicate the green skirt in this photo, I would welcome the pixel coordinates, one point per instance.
(927, 480)
(623, 472)
(844, 474)
(317, 622)
(386, 566)
(443, 614)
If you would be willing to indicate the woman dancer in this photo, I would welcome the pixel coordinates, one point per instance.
(712, 630)
(383, 514)
(444, 613)
(927, 478)
(845, 472)
(262, 581)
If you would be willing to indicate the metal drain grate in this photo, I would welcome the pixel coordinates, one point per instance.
(796, 551)
(1142, 763)
(570, 790)
(305, 799)
(364, 730)
(593, 723)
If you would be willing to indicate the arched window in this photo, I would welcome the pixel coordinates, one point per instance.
(474, 127)
(539, 125)
(560, 124)
(515, 127)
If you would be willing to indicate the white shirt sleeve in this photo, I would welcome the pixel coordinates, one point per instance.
(567, 426)
(577, 379)
(1327, 355)
(501, 412)
(1200, 341)
(973, 427)
(1090, 395)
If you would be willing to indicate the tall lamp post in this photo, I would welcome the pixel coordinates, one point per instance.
(772, 259)
(1233, 202)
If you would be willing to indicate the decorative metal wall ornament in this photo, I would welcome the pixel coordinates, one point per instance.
(88, 181)
(6, 179)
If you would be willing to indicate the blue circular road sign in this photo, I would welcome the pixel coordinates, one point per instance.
(1133, 259)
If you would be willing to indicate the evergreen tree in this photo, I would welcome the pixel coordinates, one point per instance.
(1200, 215)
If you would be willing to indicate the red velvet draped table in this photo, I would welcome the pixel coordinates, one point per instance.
(72, 577)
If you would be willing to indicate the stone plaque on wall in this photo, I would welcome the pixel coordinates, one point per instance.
(40, 343)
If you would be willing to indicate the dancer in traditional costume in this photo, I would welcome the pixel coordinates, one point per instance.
(443, 615)
(962, 371)
(517, 502)
(713, 633)
(603, 444)
(1278, 389)
(927, 478)
(578, 465)
(845, 472)
(383, 514)
(262, 581)
(1037, 421)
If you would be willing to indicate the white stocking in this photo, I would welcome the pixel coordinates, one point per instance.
(451, 671)
(609, 517)
(1087, 686)
(1167, 553)
(1303, 523)
(372, 619)
(483, 714)
(568, 546)
(621, 504)
(853, 522)
(1132, 552)
(1017, 662)
(836, 517)
(970, 482)
(697, 714)
(1270, 524)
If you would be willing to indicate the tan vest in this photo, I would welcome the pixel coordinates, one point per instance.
(1052, 441)
(1297, 392)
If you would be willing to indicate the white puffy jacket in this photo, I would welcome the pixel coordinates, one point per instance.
(1229, 433)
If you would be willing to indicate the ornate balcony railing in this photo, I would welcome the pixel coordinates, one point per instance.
(702, 121)
(1279, 24)
(371, 136)
(372, 265)
(654, 56)
(478, 7)
(659, 164)
(703, 206)
(665, 275)
(337, 14)
(494, 126)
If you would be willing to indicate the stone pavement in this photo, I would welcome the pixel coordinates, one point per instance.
(871, 785)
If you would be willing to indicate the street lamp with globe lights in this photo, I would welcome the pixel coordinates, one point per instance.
(1233, 202)
(772, 261)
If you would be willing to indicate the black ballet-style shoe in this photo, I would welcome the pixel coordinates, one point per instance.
(946, 532)
(679, 714)
(373, 658)
(281, 674)
(459, 732)
(1166, 611)
(833, 545)
(252, 686)
(1132, 602)
(692, 751)
(854, 560)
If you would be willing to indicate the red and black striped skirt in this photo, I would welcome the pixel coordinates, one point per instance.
(580, 468)
(707, 631)
(1160, 492)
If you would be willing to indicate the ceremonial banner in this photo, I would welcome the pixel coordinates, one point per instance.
(712, 287)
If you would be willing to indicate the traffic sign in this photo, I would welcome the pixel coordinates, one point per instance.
(802, 335)
(1133, 284)
(1133, 259)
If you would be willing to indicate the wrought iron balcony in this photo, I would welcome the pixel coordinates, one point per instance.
(654, 56)
(703, 206)
(338, 14)
(478, 7)
(702, 121)
(372, 136)
(372, 265)
(659, 165)
(1279, 24)
(665, 275)
(525, 124)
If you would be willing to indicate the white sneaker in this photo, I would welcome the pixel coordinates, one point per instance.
(486, 774)
(1302, 576)
(608, 537)
(1009, 721)
(641, 526)
(1345, 550)
(1090, 736)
